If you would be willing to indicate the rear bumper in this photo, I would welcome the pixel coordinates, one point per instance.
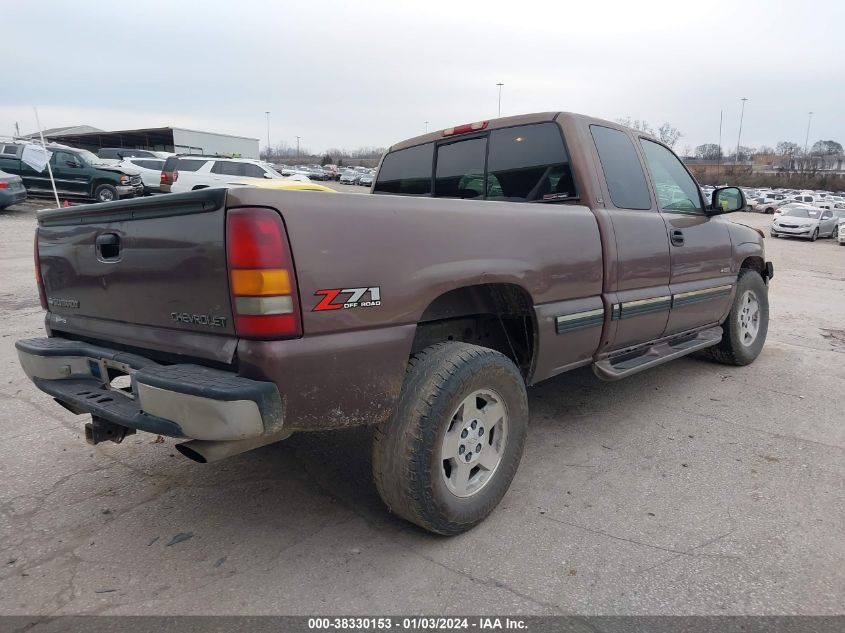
(8, 197)
(186, 401)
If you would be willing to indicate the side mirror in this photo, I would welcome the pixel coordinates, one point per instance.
(727, 200)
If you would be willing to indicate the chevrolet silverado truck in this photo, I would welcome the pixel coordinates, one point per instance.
(77, 173)
(488, 257)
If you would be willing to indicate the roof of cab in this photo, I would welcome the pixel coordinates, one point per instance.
(508, 121)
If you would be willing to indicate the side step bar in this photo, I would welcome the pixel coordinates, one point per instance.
(634, 362)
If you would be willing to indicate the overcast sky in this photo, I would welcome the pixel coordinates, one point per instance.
(371, 72)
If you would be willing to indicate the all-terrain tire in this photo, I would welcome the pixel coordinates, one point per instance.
(407, 466)
(731, 350)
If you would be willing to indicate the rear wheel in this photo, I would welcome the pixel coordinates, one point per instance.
(835, 233)
(449, 454)
(105, 193)
(745, 329)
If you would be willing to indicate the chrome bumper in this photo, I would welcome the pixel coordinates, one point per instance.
(188, 401)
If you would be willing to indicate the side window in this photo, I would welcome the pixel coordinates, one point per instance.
(252, 171)
(676, 190)
(406, 171)
(528, 162)
(623, 172)
(189, 165)
(11, 150)
(227, 168)
(61, 159)
(460, 169)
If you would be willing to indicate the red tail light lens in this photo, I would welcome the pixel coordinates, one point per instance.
(164, 179)
(42, 295)
(262, 282)
(3, 185)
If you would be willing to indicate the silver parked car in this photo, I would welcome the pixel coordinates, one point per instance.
(807, 222)
(350, 177)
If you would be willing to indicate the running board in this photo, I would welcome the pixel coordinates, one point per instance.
(632, 363)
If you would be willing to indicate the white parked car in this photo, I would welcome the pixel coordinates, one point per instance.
(199, 173)
(806, 222)
(150, 169)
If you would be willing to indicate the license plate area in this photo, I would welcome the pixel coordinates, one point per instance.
(113, 375)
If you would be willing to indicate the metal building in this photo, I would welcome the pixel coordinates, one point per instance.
(164, 139)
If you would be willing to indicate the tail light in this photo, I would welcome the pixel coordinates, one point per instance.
(466, 128)
(42, 294)
(3, 185)
(262, 282)
(164, 178)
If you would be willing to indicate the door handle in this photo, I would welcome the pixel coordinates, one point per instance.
(108, 245)
(677, 237)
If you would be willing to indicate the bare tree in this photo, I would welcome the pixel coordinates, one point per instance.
(636, 124)
(826, 148)
(669, 134)
(787, 148)
(708, 151)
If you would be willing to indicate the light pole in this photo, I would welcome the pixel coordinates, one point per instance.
(739, 134)
(297, 146)
(807, 136)
(426, 127)
(719, 155)
(500, 84)
(267, 112)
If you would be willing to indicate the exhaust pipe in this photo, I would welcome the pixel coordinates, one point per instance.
(207, 451)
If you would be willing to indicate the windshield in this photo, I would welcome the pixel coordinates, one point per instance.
(88, 157)
(802, 213)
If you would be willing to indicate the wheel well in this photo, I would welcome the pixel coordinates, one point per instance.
(99, 183)
(755, 263)
(498, 316)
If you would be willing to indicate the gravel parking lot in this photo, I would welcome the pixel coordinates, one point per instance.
(693, 488)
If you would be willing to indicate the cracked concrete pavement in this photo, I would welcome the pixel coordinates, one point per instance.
(694, 488)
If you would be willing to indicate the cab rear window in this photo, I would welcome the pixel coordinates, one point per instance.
(525, 163)
(528, 162)
(407, 171)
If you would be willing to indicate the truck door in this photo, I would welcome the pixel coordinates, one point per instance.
(70, 173)
(640, 297)
(701, 280)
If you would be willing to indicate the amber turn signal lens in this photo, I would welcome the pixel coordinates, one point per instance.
(255, 282)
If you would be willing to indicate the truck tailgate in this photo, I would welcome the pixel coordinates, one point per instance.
(158, 261)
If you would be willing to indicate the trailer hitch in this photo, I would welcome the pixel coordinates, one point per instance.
(101, 430)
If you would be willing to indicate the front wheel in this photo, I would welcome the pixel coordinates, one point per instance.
(814, 236)
(834, 234)
(449, 453)
(105, 193)
(745, 329)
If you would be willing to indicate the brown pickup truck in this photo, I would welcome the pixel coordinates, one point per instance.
(490, 256)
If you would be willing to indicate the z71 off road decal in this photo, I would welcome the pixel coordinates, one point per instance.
(337, 299)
